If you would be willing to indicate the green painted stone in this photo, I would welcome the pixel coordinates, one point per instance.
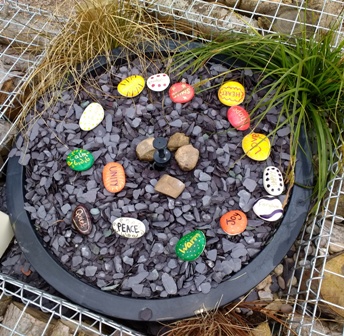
(191, 246)
(80, 159)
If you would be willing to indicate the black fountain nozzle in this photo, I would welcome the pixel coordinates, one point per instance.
(162, 156)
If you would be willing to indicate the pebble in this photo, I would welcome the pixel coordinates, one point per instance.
(91, 117)
(238, 118)
(278, 269)
(80, 160)
(129, 227)
(177, 140)
(256, 146)
(158, 82)
(231, 93)
(268, 208)
(169, 186)
(233, 222)
(113, 177)
(82, 219)
(273, 181)
(181, 92)
(190, 246)
(131, 86)
(145, 149)
(187, 157)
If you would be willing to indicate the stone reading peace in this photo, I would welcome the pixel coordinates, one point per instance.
(129, 227)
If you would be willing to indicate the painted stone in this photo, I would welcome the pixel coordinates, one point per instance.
(91, 117)
(191, 246)
(231, 93)
(273, 181)
(181, 92)
(158, 82)
(113, 177)
(268, 208)
(129, 227)
(256, 146)
(239, 118)
(233, 222)
(82, 219)
(80, 159)
(131, 86)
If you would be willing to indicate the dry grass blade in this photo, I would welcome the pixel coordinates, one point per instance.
(94, 29)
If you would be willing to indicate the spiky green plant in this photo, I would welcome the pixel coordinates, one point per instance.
(308, 84)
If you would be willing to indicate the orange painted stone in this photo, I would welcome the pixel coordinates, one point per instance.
(233, 222)
(181, 92)
(113, 177)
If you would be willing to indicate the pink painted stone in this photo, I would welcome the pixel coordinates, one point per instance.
(239, 118)
(181, 92)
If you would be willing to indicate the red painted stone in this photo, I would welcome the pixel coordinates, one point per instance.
(181, 92)
(82, 220)
(113, 177)
(239, 118)
(233, 222)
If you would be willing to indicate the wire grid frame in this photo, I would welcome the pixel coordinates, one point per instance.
(79, 319)
(314, 250)
(21, 20)
(205, 19)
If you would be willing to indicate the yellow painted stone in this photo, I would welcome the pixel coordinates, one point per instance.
(131, 86)
(91, 117)
(256, 146)
(231, 93)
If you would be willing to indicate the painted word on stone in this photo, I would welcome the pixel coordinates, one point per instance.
(231, 93)
(273, 181)
(238, 118)
(268, 208)
(82, 220)
(91, 117)
(233, 222)
(129, 227)
(181, 92)
(158, 82)
(131, 86)
(80, 159)
(256, 146)
(113, 177)
(190, 246)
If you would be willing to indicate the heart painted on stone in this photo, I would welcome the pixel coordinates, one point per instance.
(233, 222)
(80, 159)
(273, 181)
(231, 93)
(129, 227)
(158, 82)
(131, 86)
(82, 219)
(91, 117)
(191, 246)
(268, 208)
(238, 118)
(181, 92)
(256, 146)
(113, 177)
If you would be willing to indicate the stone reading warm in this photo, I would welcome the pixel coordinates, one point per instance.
(191, 246)
(113, 177)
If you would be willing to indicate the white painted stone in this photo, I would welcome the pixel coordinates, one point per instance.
(268, 208)
(158, 82)
(273, 181)
(91, 117)
(129, 227)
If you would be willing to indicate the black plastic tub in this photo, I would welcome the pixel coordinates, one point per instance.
(170, 308)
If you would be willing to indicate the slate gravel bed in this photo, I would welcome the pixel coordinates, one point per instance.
(223, 180)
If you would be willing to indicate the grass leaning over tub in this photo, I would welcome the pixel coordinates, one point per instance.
(309, 79)
(94, 28)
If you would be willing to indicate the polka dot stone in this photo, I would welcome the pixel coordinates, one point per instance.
(273, 181)
(191, 246)
(91, 117)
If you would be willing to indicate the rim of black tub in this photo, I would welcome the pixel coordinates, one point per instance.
(170, 308)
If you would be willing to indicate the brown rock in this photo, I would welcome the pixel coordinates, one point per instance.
(266, 282)
(281, 282)
(177, 140)
(170, 186)
(145, 150)
(262, 329)
(187, 157)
